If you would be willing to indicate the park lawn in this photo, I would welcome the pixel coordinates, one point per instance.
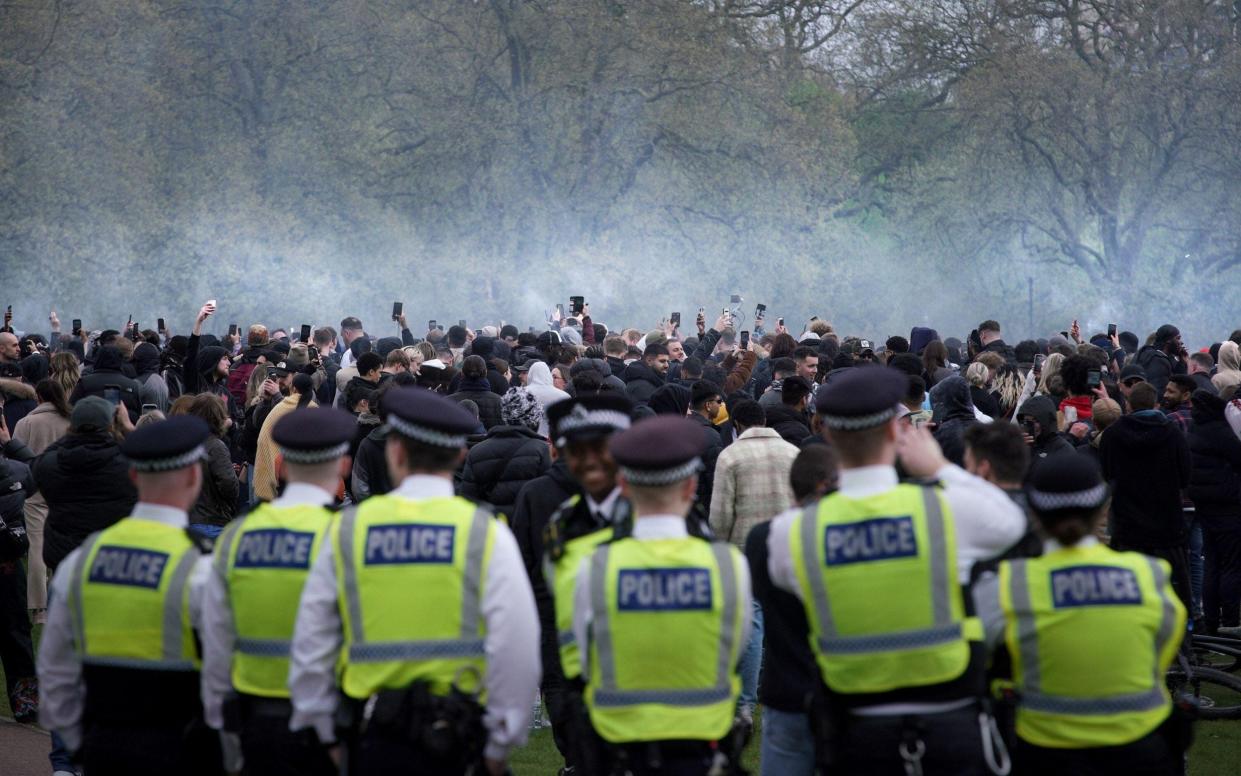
(1216, 749)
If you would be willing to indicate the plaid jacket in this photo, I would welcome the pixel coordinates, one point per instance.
(751, 483)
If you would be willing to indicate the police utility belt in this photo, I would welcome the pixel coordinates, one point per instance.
(447, 729)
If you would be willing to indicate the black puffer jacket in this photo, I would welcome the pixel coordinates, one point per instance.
(498, 467)
(370, 467)
(1049, 441)
(1215, 481)
(85, 481)
(1159, 367)
(108, 371)
(641, 382)
(479, 392)
(790, 424)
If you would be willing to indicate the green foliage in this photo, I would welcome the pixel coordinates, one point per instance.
(873, 163)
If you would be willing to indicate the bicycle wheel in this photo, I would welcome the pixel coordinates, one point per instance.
(1221, 657)
(1218, 693)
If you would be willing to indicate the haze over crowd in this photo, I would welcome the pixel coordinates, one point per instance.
(878, 162)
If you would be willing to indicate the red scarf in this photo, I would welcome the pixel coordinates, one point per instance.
(1083, 404)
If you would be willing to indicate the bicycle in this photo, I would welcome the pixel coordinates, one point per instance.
(1202, 675)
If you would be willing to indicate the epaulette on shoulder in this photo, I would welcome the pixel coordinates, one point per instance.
(553, 532)
(203, 544)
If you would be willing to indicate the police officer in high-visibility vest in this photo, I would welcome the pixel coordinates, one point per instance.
(580, 429)
(1090, 633)
(419, 610)
(880, 568)
(118, 664)
(661, 616)
(260, 567)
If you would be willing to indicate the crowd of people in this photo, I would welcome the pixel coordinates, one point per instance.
(1001, 461)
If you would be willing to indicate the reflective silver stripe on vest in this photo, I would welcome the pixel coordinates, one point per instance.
(891, 642)
(944, 631)
(703, 697)
(174, 599)
(1032, 696)
(1108, 704)
(941, 587)
(608, 695)
(385, 651)
(353, 599)
(263, 647)
(471, 597)
(133, 662)
(224, 547)
(75, 591)
(468, 645)
(1167, 617)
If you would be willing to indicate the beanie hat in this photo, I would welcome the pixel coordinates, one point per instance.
(518, 407)
(91, 412)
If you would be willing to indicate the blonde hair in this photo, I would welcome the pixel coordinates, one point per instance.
(977, 373)
(154, 416)
(1051, 368)
(66, 370)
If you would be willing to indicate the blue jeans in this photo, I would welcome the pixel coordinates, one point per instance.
(788, 745)
(1196, 564)
(752, 661)
(61, 761)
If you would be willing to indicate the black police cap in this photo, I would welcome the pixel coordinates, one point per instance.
(311, 435)
(661, 450)
(1066, 482)
(166, 445)
(862, 398)
(588, 417)
(427, 417)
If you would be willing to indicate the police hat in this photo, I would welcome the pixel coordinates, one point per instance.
(661, 450)
(311, 435)
(1066, 482)
(588, 417)
(427, 417)
(167, 444)
(862, 398)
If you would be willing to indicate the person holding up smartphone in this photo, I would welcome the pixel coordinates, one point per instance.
(206, 369)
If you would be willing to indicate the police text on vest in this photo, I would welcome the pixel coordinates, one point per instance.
(661, 590)
(409, 543)
(274, 548)
(882, 538)
(128, 566)
(1094, 586)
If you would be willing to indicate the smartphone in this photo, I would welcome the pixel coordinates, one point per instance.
(461, 323)
(676, 319)
(161, 325)
(1093, 378)
(1039, 360)
(149, 408)
(727, 313)
(1027, 426)
(1064, 334)
(735, 299)
(431, 324)
(397, 309)
(780, 321)
(1070, 416)
(745, 340)
(232, 330)
(814, 317)
(306, 332)
(577, 305)
(211, 302)
(77, 326)
(1111, 330)
(759, 310)
(702, 311)
(112, 394)
(560, 311)
(271, 372)
(134, 333)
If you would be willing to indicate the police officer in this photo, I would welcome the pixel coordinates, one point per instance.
(418, 602)
(1090, 633)
(879, 567)
(662, 616)
(118, 664)
(252, 594)
(580, 429)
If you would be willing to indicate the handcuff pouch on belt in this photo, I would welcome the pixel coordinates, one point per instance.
(446, 729)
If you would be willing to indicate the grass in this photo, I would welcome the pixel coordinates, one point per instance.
(1216, 749)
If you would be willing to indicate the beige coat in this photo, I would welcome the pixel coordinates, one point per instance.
(265, 457)
(40, 428)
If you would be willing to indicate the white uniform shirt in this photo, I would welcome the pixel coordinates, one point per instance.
(61, 689)
(511, 642)
(987, 523)
(218, 633)
(649, 528)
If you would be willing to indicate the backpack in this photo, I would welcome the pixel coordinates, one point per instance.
(238, 378)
